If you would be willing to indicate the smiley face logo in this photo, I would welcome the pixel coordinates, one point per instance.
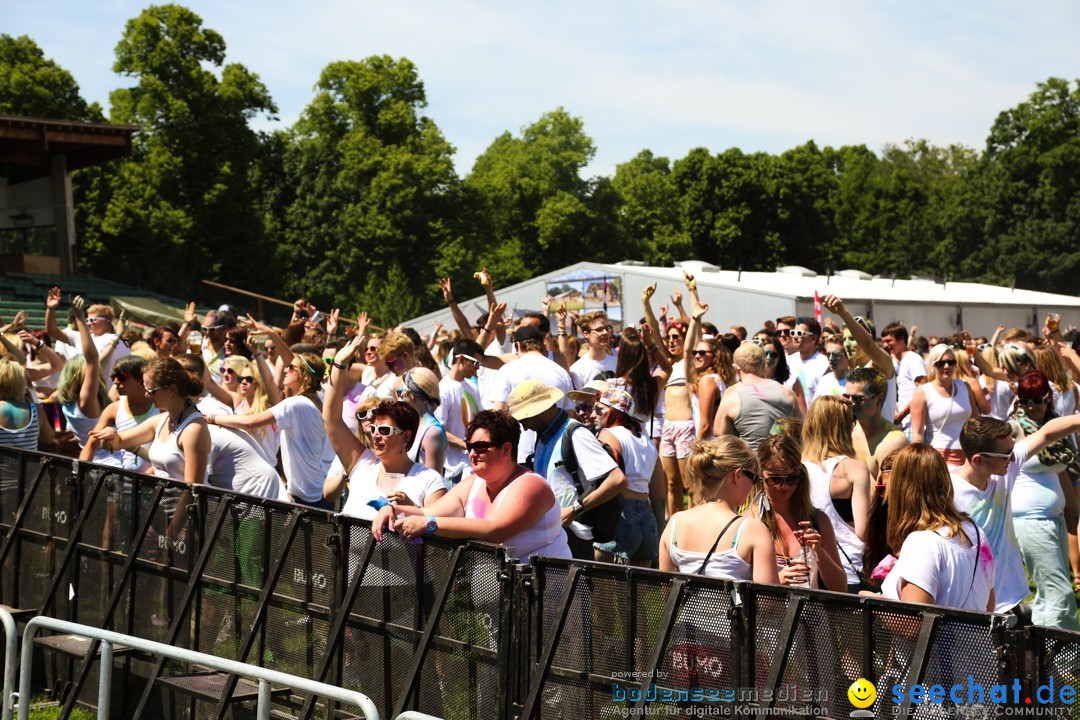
(862, 693)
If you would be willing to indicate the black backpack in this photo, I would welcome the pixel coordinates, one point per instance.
(603, 519)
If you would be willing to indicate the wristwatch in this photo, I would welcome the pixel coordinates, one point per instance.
(578, 509)
(432, 526)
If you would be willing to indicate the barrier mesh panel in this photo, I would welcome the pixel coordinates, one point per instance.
(959, 650)
(1058, 653)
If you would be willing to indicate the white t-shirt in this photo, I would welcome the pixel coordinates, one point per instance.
(594, 463)
(210, 405)
(459, 401)
(810, 372)
(957, 574)
(530, 366)
(485, 377)
(306, 453)
(74, 347)
(418, 484)
(991, 508)
(237, 463)
(829, 385)
(908, 368)
(585, 370)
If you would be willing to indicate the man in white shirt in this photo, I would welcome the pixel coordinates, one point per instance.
(983, 486)
(215, 330)
(598, 359)
(910, 370)
(99, 320)
(534, 405)
(459, 401)
(812, 364)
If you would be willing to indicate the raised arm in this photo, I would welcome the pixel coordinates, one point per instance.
(489, 292)
(491, 329)
(879, 358)
(663, 364)
(88, 392)
(54, 363)
(1052, 431)
(676, 301)
(347, 446)
(273, 392)
(459, 317)
(284, 352)
(650, 318)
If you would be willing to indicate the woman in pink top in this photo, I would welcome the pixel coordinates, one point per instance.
(502, 503)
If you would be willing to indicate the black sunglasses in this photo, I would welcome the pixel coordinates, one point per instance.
(120, 376)
(247, 379)
(480, 447)
(701, 353)
(858, 400)
(781, 480)
(945, 363)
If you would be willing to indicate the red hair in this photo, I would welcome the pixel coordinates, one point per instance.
(1033, 386)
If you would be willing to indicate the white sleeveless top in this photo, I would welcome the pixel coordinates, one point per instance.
(166, 456)
(821, 497)
(639, 458)
(945, 417)
(78, 422)
(695, 405)
(546, 537)
(724, 564)
(1001, 400)
(24, 438)
(125, 420)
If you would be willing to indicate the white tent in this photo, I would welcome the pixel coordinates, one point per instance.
(749, 298)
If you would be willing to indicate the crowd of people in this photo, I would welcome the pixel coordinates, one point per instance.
(938, 470)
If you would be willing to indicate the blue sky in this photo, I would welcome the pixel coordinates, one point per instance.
(668, 76)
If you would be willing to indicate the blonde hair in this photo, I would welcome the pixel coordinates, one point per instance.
(71, 380)
(826, 430)
(104, 311)
(236, 363)
(428, 384)
(750, 358)
(962, 364)
(396, 344)
(920, 495)
(936, 353)
(711, 462)
(143, 350)
(721, 364)
(783, 450)
(12, 381)
(1048, 362)
(15, 340)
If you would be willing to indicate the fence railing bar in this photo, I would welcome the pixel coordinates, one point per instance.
(337, 626)
(189, 594)
(784, 642)
(20, 514)
(114, 600)
(11, 662)
(920, 657)
(184, 655)
(72, 544)
(663, 634)
(540, 674)
(867, 617)
(260, 611)
(429, 631)
(507, 605)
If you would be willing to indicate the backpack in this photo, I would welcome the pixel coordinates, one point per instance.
(603, 519)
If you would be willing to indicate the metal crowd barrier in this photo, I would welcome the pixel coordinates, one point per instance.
(450, 630)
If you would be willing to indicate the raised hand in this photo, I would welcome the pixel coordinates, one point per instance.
(646, 334)
(28, 340)
(253, 345)
(483, 277)
(647, 292)
(662, 315)
(676, 297)
(561, 314)
(447, 292)
(833, 304)
(78, 302)
(699, 310)
(496, 312)
(690, 282)
(332, 321)
(52, 300)
(362, 322)
(546, 304)
(189, 313)
(346, 354)
(257, 328)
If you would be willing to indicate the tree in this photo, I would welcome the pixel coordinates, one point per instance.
(182, 208)
(374, 192)
(35, 86)
(648, 216)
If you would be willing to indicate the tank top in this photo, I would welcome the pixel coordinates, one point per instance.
(760, 406)
(24, 438)
(545, 537)
(1001, 400)
(125, 420)
(78, 422)
(723, 564)
(639, 458)
(945, 417)
(416, 451)
(165, 455)
(822, 499)
(695, 405)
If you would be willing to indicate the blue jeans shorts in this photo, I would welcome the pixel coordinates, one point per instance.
(636, 537)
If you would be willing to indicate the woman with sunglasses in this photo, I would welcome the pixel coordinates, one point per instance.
(165, 340)
(501, 503)
(803, 537)
(777, 368)
(336, 485)
(80, 391)
(1038, 506)
(708, 372)
(231, 367)
(941, 406)
(306, 453)
(179, 439)
(133, 407)
(724, 471)
(381, 469)
(839, 481)
(258, 393)
(1013, 360)
(420, 389)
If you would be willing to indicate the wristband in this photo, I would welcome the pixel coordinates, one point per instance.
(578, 508)
(339, 366)
(210, 419)
(432, 526)
(378, 503)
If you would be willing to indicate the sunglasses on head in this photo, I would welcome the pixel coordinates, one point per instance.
(481, 446)
(385, 430)
(945, 363)
(790, 480)
(470, 358)
(1037, 401)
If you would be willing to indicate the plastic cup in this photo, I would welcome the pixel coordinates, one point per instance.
(1053, 320)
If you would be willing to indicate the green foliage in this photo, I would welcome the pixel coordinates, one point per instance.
(32, 85)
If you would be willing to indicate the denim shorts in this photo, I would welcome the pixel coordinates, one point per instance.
(636, 537)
